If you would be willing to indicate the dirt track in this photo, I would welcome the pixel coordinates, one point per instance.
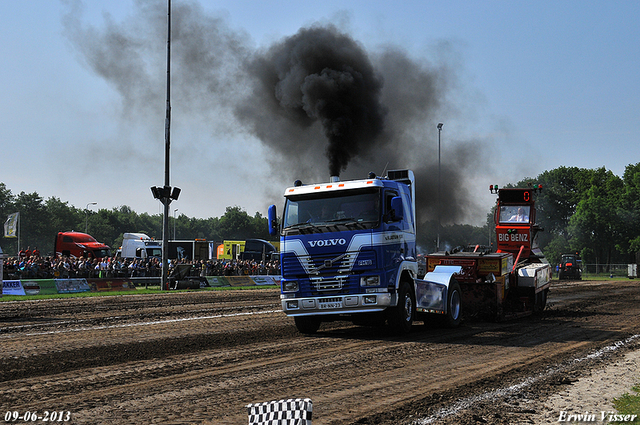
(200, 357)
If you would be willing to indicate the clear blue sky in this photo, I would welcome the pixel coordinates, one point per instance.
(537, 84)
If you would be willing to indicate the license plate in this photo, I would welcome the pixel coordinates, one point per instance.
(327, 306)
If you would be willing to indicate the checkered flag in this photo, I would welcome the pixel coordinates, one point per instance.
(281, 412)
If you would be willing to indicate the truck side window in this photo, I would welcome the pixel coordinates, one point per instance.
(388, 196)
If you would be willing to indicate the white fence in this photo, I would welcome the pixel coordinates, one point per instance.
(605, 270)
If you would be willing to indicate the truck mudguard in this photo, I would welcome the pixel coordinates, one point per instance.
(431, 292)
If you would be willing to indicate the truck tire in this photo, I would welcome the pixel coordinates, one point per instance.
(400, 318)
(307, 324)
(454, 305)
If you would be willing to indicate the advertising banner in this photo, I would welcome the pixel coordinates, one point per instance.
(11, 226)
(240, 280)
(47, 286)
(217, 281)
(100, 285)
(70, 286)
(31, 287)
(267, 280)
(12, 287)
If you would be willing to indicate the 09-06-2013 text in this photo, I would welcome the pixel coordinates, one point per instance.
(46, 416)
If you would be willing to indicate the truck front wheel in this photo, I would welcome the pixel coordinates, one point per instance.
(307, 324)
(400, 318)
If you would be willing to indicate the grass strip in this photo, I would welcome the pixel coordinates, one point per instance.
(627, 406)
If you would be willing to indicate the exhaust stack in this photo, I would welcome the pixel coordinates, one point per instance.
(334, 179)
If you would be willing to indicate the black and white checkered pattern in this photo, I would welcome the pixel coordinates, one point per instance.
(294, 411)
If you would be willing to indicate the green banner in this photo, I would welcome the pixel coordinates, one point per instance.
(39, 286)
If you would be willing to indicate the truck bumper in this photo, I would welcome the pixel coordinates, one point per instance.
(337, 304)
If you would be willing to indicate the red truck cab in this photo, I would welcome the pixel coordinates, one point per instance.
(76, 244)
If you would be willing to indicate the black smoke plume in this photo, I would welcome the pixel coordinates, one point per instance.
(313, 95)
(322, 75)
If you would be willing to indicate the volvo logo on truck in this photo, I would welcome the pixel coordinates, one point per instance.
(327, 242)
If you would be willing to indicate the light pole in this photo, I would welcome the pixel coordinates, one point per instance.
(86, 216)
(174, 223)
(438, 241)
(166, 193)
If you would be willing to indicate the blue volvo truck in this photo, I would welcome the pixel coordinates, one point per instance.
(348, 251)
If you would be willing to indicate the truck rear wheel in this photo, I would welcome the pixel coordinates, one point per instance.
(307, 324)
(400, 318)
(454, 305)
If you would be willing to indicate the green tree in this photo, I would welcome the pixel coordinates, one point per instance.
(62, 216)
(6, 200)
(630, 210)
(236, 224)
(212, 226)
(555, 248)
(597, 223)
(260, 227)
(150, 225)
(34, 220)
(562, 189)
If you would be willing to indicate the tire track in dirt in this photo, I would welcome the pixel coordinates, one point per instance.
(205, 371)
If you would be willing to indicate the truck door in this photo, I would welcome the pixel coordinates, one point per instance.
(392, 229)
(235, 251)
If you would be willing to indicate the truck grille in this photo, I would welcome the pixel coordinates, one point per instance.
(323, 264)
(326, 285)
(328, 273)
(329, 264)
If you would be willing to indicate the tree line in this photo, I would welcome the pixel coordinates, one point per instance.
(590, 211)
(41, 220)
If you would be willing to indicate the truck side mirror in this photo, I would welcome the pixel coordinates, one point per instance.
(272, 216)
(397, 212)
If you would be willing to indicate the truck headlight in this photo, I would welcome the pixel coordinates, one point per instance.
(369, 299)
(370, 281)
(290, 286)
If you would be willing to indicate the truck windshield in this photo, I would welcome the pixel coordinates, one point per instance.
(332, 211)
(101, 253)
(514, 213)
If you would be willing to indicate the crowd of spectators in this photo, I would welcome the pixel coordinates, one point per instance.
(49, 267)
